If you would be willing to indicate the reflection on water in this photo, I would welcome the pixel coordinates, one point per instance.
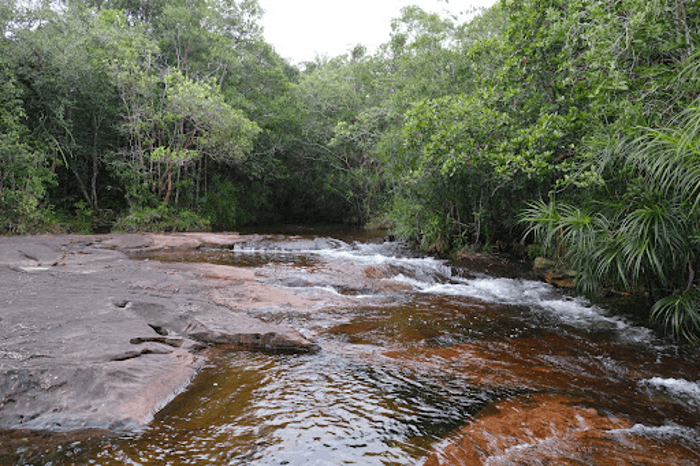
(420, 365)
(326, 409)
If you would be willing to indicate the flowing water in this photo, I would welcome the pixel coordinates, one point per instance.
(423, 363)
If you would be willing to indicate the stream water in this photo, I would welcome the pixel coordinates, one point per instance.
(423, 363)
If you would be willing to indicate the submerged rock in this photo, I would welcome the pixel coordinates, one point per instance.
(553, 429)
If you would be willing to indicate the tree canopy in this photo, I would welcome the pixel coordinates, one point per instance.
(569, 123)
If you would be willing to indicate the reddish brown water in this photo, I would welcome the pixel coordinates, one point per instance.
(419, 366)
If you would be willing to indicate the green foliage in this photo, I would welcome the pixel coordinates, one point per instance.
(24, 173)
(187, 121)
(449, 130)
(161, 219)
(636, 225)
(84, 219)
(69, 105)
(195, 114)
(223, 208)
(645, 235)
(670, 156)
(680, 313)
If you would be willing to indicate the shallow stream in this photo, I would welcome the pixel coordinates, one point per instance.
(423, 363)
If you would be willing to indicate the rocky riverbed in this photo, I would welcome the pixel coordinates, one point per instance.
(90, 339)
(420, 361)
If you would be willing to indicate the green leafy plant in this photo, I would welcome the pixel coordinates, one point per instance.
(84, 221)
(646, 239)
(161, 218)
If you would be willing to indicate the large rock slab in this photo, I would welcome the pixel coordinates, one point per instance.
(92, 339)
(155, 241)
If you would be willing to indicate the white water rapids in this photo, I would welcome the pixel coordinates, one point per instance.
(412, 351)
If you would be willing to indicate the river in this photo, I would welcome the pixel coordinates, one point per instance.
(422, 363)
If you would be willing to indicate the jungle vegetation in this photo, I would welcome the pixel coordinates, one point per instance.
(570, 124)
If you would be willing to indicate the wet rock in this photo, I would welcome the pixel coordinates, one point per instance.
(92, 340)
(174, 342)
(552, 429)
(173, 241)
(555, 422)
(495, 265)
(553, 273)
(375, 273)
(282, 243)
(126, 242)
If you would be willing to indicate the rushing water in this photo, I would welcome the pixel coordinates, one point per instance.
(412, 351)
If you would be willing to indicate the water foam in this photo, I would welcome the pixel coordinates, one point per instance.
(433, 276)
(535, 295)
(681, 389)
(666, 431)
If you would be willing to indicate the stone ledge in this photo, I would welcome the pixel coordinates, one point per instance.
(92, 340)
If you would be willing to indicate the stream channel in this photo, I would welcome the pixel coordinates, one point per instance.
(422, 362)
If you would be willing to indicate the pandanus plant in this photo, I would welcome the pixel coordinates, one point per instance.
(644, 237)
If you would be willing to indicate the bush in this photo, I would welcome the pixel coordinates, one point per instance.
(223, 208)
(162, 218)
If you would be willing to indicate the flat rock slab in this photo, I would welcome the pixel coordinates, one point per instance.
(155, 241)
(90, 339)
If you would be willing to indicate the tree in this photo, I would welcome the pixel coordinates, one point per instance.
(140, 10)
(24, 174)
(70, 104)
(196, 122)
(173, 122)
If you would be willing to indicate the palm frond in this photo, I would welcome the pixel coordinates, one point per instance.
(655, 239)
(670, 157)
(680, 314)
(543, 219)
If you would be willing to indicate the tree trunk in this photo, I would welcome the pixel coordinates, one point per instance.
(169, 192)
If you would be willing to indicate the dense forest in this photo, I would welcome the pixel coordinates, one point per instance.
(572, 124)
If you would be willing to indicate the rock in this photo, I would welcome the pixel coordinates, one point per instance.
(126, 242)
(538, 429)
(92, 340)
(174, 241)
(375, 273)
(541, 263)
(552, 429)
(174, 342)
(553, 273)
(495, 265)
(30, 254)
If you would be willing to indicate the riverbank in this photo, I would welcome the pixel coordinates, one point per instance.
(90, 339)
